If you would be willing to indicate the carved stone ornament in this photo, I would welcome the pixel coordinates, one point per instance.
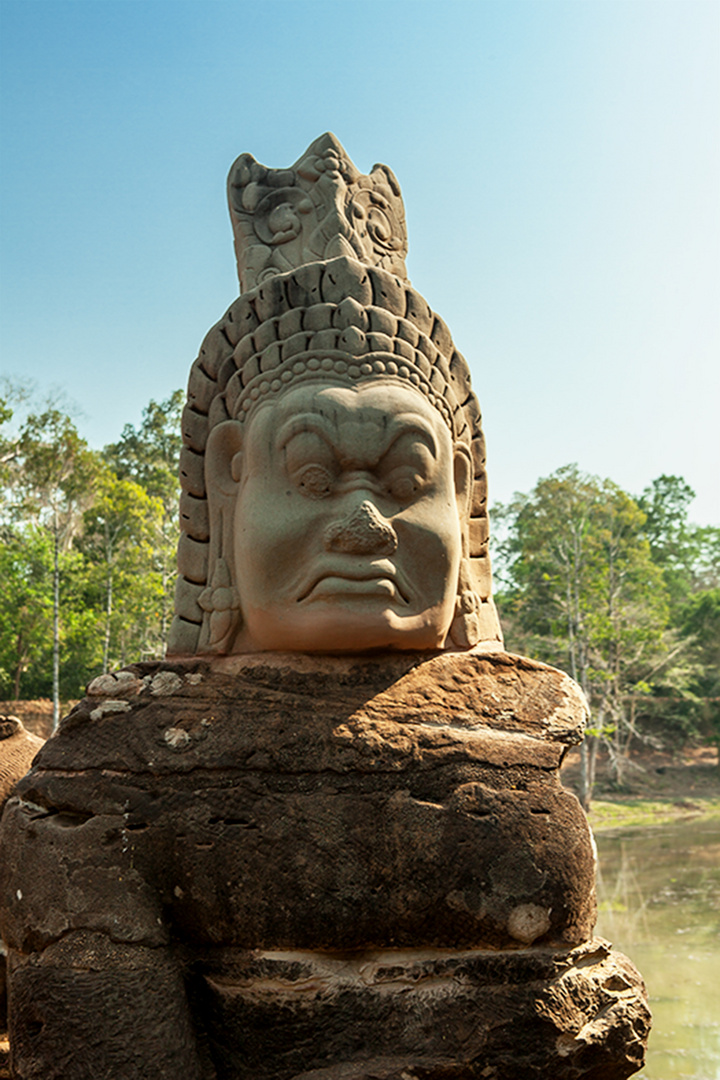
(318, 209)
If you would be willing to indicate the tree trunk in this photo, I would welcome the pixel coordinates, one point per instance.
(594, 747)
(56, 623)
(108, 602)
(585, 789)
(18, 669)
(619, 757)
(588, 762)
(163, 612)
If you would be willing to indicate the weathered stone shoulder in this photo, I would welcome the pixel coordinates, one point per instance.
(400, 799)
(173, 717)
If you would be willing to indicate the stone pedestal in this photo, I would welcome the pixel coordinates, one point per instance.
(280, 867)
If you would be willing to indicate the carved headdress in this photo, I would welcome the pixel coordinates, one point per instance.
(324, 295)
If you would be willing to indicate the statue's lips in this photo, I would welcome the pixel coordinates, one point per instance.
(374, 579)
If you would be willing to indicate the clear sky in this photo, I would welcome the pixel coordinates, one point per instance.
(560, 164)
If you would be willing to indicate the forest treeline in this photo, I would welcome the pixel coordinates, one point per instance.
(620, 591)
(87, 548)
(623, 593)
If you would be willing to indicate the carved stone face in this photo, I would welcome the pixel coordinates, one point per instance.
(347, 521)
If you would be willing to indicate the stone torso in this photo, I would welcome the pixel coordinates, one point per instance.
(396, 801)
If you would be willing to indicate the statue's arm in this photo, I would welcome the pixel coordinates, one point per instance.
(90, 963)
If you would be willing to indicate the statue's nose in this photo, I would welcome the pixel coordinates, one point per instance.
(363, 532)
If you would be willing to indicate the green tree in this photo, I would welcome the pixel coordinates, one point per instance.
(52, 478)
(673, 546)
(7, 447)
(680, 702)
(26, 632)
(26, 601)
(87, 544)
(706, 557)
(121, 528)
(689, 555)
(686, 701)
(583, 592)
(150, 456)
(701, 624)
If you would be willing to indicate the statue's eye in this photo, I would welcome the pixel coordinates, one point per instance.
(314, 481)
(407, 468)
(310, 464)
(403, 485)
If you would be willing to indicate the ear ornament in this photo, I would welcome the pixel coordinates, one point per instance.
(465, 627)
(222, 603)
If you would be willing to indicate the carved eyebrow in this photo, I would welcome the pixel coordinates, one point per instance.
(411, 424)
(404, 424)
(304, 422)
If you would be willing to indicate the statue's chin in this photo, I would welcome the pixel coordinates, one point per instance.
(343, 628)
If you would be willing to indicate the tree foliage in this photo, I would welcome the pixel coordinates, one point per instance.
(150, 456)
(26, 603)
(603, 585)
(122, 528)
(87, 545)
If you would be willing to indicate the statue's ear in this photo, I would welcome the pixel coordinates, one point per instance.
(220, 599)
(223, 470)
(223, 461)
(463, 475)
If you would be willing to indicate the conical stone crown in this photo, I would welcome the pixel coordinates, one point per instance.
(320, 208)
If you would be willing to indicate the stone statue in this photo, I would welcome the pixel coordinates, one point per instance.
(328, 342)
(325, 839)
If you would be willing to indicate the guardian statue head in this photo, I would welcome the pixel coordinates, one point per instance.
(333, 468)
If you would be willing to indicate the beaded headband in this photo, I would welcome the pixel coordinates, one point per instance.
(338, 368)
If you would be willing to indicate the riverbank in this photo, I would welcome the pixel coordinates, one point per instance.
(658, 788)
(640, 813)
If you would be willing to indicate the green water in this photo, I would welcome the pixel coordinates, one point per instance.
(659, 898)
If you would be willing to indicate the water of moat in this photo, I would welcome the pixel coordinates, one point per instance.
(659, 898)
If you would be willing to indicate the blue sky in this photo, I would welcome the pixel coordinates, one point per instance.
(560, 164)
